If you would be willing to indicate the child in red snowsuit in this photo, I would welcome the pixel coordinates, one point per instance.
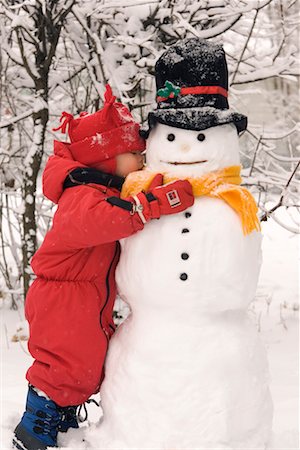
(69, 305)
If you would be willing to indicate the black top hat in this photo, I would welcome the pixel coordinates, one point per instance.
(192, 88)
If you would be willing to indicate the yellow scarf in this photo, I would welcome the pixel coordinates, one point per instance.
(222, 184)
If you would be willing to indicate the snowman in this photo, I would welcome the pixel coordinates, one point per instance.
(187, 369)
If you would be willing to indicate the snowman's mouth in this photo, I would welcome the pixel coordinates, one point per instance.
(177, 163)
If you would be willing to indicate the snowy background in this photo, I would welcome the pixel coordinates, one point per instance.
(58, 55)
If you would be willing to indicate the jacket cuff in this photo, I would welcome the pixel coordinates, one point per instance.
(151, 209)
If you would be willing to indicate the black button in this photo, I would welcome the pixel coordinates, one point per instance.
(183, 276)
(185, 255)
(171, 137)
(187, 214)
(185, 230)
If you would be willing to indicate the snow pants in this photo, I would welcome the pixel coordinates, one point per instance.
(67, 339)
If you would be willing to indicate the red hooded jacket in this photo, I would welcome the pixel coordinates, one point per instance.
(69, 305)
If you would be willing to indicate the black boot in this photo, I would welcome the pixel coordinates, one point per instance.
(68, 418)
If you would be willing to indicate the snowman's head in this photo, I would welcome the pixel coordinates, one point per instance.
(190, 153)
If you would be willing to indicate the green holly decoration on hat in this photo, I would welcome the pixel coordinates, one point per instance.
(168, 90)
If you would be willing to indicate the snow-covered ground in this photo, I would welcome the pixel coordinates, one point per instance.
(275, 311)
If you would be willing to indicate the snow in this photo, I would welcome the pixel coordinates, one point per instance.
(275, 309)
(97, 139)
(192, 62)
(279, 279)
(37, 139)
(196, 118)
(186, 147)
(21, 21)
(171, 366)
(198, 349)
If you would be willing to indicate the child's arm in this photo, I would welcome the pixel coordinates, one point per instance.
(86, 217)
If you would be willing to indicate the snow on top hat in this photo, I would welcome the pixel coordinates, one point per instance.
(96, 139)
(192, 88)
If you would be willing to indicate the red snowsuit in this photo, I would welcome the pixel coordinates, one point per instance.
(69, 305)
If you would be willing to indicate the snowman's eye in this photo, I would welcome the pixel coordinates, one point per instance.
(201, 137)
(171, 137)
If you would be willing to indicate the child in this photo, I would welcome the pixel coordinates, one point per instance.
(69, 305)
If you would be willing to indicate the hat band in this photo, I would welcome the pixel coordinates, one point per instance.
(196, 90)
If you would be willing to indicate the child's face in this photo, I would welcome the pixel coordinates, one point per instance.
(129, 162)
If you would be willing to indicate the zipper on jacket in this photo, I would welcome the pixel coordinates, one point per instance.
(108, 290)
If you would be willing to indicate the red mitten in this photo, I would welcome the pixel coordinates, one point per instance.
(157, 181)
(173, 197)
(161, 200)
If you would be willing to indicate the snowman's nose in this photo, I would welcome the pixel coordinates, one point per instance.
(185, 147)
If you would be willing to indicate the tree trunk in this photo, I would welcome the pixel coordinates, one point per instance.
(32, 167)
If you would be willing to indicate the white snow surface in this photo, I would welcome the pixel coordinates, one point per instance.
(219, 149)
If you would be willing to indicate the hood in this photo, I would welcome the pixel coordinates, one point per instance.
(57, 169)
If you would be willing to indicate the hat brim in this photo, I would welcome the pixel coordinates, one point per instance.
(194, 119)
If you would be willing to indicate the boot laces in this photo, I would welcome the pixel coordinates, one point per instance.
(82, 418)
(68, 413)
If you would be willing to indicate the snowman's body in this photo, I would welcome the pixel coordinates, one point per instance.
(187, 370)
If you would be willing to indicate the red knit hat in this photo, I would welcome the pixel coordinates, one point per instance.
(96, 139)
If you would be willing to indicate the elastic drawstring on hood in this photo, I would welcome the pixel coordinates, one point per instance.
(65, 121)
